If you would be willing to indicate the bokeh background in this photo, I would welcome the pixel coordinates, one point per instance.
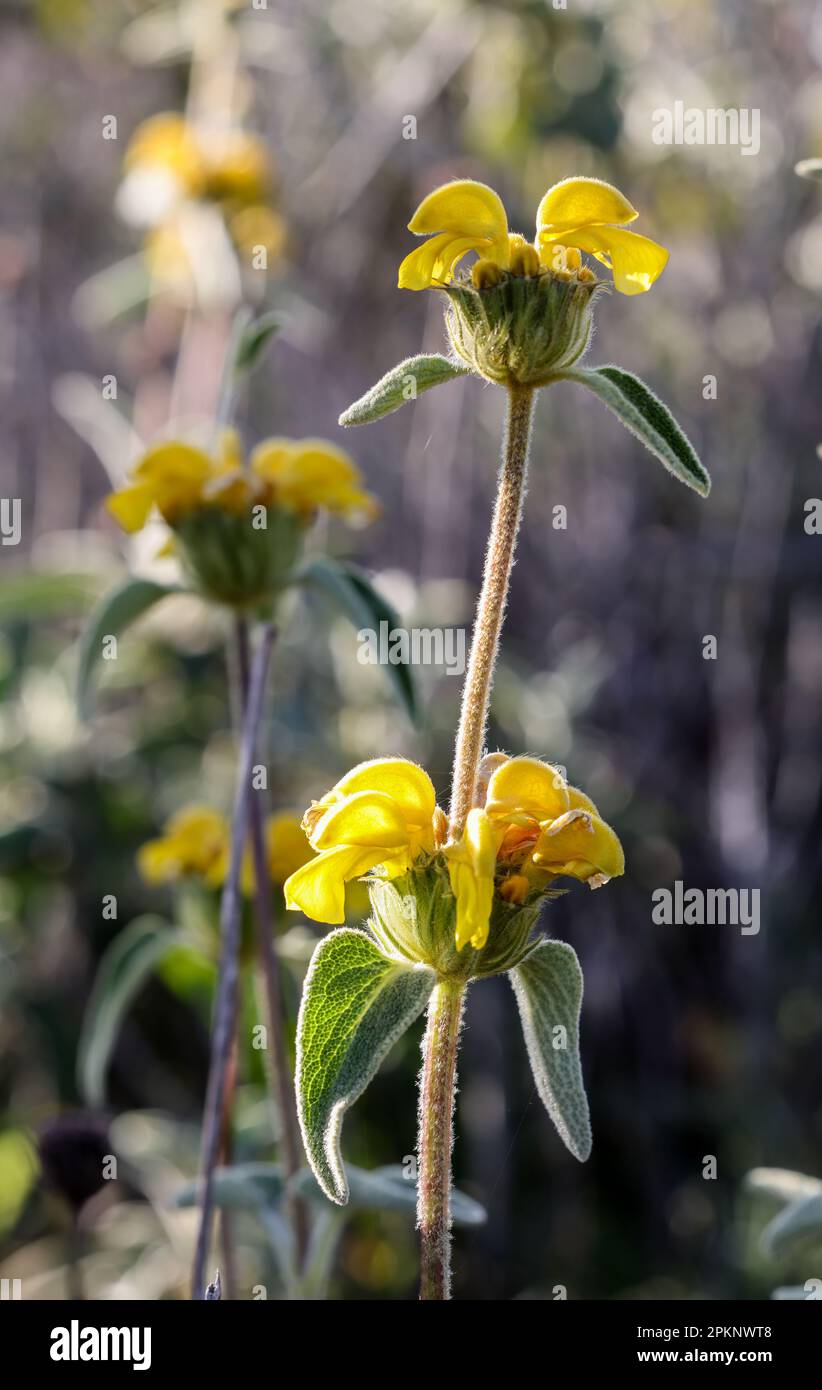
(697, 1041)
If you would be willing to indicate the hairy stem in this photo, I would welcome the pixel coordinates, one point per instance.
(276, 1053)
(436, 1137)
(499, 560)
(225, 1009)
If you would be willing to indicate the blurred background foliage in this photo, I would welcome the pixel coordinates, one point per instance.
(696, 1040)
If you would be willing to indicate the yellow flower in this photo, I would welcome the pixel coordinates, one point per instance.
(297, 476)
(194, 843)
(533, 828)
(589, 215)
(382, 813)
(220, 165)
(579, 214)
(167, 143)
(383, 816)
(305, 474)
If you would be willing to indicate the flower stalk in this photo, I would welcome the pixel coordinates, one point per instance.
(276, 1054)
(436, 1137)
(225, 1011)
(499, 562)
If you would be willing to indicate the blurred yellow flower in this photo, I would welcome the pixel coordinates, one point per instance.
(383, 812)
(578, 214)
(296, 476)
(220, 165)
(196, 843)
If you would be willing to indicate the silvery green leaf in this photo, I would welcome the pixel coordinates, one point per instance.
(256, 1188)
(252, 341)
(123, 970)
(354, 594)
(799, 1221)
(644, 415)
(115, 612)
(548, 989)
(355, 1005)
(403, 383)
(242, 1187)
(783, 1184)
(388, 1189)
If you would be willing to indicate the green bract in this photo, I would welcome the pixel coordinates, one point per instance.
(365, 988)
(523, 330)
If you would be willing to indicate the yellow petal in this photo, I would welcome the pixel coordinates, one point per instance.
(174, 461)
(583, 202)
(131, 506)
(471, 866)
(318, 888)
(526, 789)
(405, 782)
(464, 207)
(578, 801)
(194, 840)
(434, 261)
(582, 846)
(167, 141)
(158, 861)
(636, 260)
(311, 473)
(287, 847)
(366, 819)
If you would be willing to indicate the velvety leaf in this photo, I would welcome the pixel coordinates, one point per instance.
(355, 1005)
(645, 416)
(115, 612)
(548, 989)
(402, 384)
(353, 593)
(124, 968)
(388, 1189)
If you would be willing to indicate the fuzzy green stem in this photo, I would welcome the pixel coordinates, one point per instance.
(436, 1137)
(225, 1008)
(499, 559)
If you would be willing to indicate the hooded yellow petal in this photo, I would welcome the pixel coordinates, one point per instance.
(582, 846)
(471, 866)
(526, 789)
(464, 207)
(578, 801)
(434, 261)
(583, 202)
(405, 782)
(636, 261)
(366, 819)
(318, 888)
(287, 847)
